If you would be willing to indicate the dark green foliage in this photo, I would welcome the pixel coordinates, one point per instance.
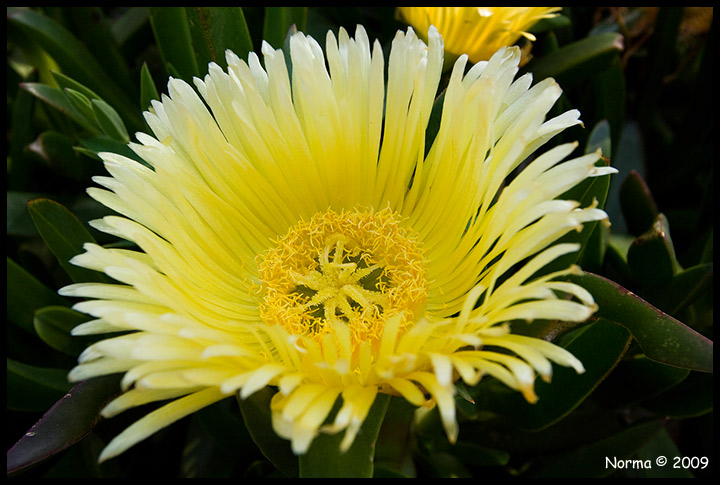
(78, 80)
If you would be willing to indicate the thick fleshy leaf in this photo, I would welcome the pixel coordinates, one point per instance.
(567, 389)
(256, 414)
(610, 100)
(82, 105)
(559, 21)
(21, 107)
(173, 38)
(476, 455)
(66, 423)
(592, 253)
(109, 121)
(324, 459)
(53, 325)
(218, 443)
(57, 150)
(579, 60)
(64, 234)
(216, 29)
(33, 388)
(60, 101)
(73, 57)
(683, 290)
(651, 257)
(129, 28)
(639, 208)
(693, 397)
(278, 21)
(67, 83)
(663, 445)
(18, 220)
(638, 379)
(444, 465)
(393, 450)
(591, 192)
(433, 125)
(100, 114)
(148, 91)
(25, 295)
(93, 145)
(94, 30)
(661, 337)
(600, 139)
(590, 461)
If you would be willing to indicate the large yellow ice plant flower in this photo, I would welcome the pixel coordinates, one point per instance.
(477, 31)
(296, 234)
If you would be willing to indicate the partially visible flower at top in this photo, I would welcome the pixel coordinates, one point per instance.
(477, 31)
(294, 232)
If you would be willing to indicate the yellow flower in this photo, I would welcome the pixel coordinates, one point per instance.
(477, 31)
(296, 235)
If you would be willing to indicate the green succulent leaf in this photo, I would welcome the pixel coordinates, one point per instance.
(217, 29)
(25, 295)
(84, 107)
(174, 39)
(148, 91)
(638, 379)
(651, 257)
(324, 459)
(110, 122)
(94, 30)
(592, 192)
(393, 449)
(93, 146)
(639, 208)
(662, 445)
(227, 429)
(53, 325)
(73, 58)
(609, 94)
(590, 460)
(683, 290)
(66, 423)
(20, 132)
(278, 21)
(567, 389)
(34, 388)
(691, 398)
(65, 235)
(600, 139)
(18, 221)
(66, 82)
(255, 410)
(578, 60)
(661, 337)
(59, 100)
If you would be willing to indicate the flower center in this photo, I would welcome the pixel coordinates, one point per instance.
(353, 269)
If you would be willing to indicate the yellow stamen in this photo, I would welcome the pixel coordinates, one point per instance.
(354, 268)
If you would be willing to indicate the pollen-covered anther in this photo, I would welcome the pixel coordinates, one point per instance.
(355, 268)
